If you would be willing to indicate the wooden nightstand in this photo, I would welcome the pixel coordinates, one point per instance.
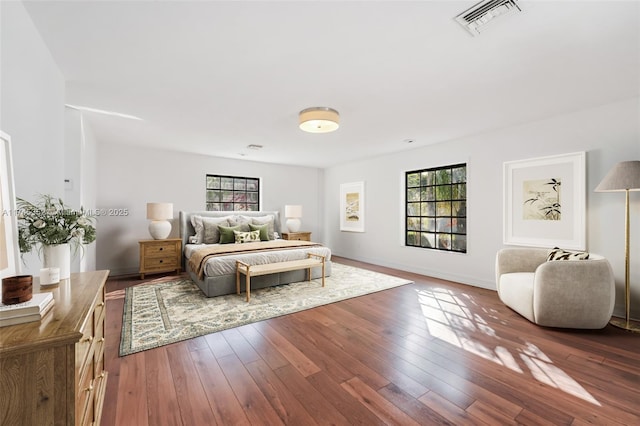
(300, 236)
(160, 256)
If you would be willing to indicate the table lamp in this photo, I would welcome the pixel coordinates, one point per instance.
(159, 214)
(293, 215)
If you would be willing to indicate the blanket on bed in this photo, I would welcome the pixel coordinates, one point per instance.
(201, 255)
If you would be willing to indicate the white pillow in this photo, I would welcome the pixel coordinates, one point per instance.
(196, 222)
(269, 220)
(211, 233)
(243, 221)
(198, 225)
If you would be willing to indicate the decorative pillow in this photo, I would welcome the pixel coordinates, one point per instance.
(266, 220)
(198, 225)
(211, 232)
(262, 229)
(226, 234)
(246, 237)
(559, 254)
(241, 221)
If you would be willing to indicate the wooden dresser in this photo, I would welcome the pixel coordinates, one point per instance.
(160, 256)
(52, 371)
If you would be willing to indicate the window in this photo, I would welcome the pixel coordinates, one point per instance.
(233, 193)
(436, 210)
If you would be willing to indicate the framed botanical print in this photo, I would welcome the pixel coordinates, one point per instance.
(544, 202)
(352, 207)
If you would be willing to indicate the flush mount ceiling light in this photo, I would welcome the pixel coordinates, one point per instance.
(319, 120)
(477, 17)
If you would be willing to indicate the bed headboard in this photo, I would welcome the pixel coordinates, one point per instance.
(186, 228)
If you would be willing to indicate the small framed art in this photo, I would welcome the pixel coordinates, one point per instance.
(352, 207)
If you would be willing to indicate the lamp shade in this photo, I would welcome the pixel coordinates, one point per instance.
(319, 120)
(293, 211)
(624, 176)
(159, 211)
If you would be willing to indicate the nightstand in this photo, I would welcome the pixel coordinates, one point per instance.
(160, 256)
(300, 236)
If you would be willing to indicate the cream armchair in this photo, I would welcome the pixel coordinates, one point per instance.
(558, 293)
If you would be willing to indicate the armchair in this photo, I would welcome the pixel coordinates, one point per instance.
(558, 293)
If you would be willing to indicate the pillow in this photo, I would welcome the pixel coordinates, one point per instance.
(198, 225)
(246, 237)
(211, 233)
(559, 254)
(262, 229)
(241, 221)
(226, 234)
(196, 221)
(266, 220)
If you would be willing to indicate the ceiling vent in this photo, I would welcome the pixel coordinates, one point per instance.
(476, 19)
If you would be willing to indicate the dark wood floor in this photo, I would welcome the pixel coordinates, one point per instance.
(432, 352)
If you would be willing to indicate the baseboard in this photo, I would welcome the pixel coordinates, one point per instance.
(461, 279)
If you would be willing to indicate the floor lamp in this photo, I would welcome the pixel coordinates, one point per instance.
(624, 176)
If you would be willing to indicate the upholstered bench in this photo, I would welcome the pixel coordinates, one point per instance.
(556, 293)
(312, 260)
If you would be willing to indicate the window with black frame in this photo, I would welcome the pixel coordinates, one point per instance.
(436, 208)
(232, 193)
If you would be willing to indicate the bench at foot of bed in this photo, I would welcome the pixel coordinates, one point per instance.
(313, 260)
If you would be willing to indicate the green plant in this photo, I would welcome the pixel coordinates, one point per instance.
(48, 221)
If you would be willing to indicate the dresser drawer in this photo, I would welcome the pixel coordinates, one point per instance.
(84, 398)
(160, 249)
(160, 263)
(98, 314)
(84, 344)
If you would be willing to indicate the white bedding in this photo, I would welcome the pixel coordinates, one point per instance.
(226, 264)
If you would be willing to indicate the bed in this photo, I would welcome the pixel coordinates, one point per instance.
(210, 257)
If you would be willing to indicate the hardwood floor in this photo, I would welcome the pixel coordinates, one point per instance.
(432, 352)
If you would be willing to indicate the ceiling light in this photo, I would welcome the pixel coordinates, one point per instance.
(319, 120)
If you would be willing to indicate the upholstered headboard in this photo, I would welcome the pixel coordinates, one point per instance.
(186, 228)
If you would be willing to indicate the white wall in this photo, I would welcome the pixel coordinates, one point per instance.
(31, 109)
(608, 134)
(129, 177)
(80, 177)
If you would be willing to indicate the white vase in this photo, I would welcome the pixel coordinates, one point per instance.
(58, 256)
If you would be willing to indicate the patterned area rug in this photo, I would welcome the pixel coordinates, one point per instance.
(157, 314)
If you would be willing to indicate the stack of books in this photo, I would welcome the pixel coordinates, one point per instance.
(33, 310)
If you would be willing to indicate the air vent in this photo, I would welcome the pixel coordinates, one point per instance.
(476, 18)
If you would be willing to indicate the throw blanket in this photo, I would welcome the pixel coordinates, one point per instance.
(201, 255)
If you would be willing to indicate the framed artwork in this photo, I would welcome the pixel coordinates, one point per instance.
(544, 202)
(9, 252)
(352, 207)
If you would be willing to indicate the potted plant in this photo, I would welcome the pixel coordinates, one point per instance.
(55, 228)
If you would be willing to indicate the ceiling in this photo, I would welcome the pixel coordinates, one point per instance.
(212, 77)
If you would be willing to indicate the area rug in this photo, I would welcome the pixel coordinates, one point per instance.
(158, 314)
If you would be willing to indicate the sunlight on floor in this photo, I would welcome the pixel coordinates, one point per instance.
(450, 320)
